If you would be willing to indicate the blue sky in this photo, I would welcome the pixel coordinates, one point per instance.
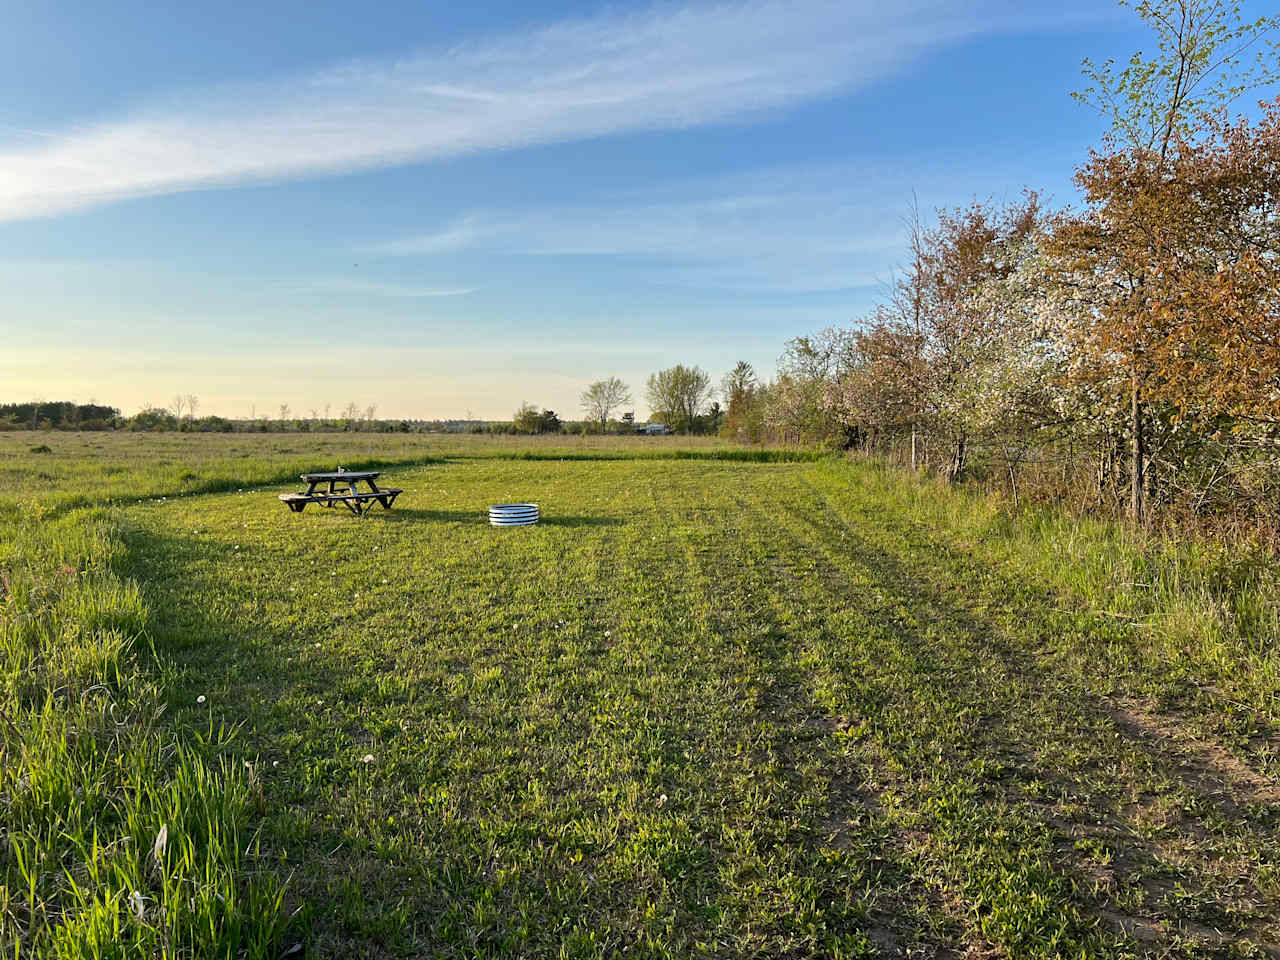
(447, 209)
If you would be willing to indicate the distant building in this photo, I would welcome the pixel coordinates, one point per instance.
(653, 429)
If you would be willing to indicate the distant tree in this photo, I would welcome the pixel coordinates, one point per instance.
(284, 412)
(740, 391)
(177, 405)
(603, 397)
(153, 418)
(526, 419)
(681, 392)
(193, 403)
(710, 421)
(370, 412)
(798, 408)
(738, 382)
(529, 419)
(549, 422)
(350, 416)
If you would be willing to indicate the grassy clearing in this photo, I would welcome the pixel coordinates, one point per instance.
(123, 835)
(44, 472)
(707, 707)
(1203, 617)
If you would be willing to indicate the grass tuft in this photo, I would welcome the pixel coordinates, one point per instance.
(92, 772)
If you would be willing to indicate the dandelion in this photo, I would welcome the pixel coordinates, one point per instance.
(367, 758)
(162, 839)
(661, 800)
(137, 903)
(200, 699)
(275, 763)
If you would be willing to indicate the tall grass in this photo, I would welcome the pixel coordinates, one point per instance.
(1210, 606)
(124, 834)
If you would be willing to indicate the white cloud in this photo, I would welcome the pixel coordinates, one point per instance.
(324, 286)
(666, 68)
(785, 231)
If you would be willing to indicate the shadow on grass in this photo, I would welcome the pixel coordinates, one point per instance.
(1020, 732)
(425, 886)
(481, 517)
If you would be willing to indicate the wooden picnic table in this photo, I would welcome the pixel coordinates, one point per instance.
(343, 488)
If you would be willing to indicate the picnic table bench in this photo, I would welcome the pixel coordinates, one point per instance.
(343, 489)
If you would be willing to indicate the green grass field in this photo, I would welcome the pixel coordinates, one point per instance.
(774, 706)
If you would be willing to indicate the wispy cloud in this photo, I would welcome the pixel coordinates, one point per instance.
(669, 67)
(369, 288)
(794, 231)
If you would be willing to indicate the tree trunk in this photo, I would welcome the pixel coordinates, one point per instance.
(1137, 479)
(956, 470)
(915, 460)
(1107, 471)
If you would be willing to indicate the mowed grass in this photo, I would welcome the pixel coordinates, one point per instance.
(706, 707)
(49, 471)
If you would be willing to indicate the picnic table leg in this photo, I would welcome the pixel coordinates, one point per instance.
(384, 500)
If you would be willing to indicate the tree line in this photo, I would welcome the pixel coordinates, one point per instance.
(680, 398)
(1123, 352)
(58, 415)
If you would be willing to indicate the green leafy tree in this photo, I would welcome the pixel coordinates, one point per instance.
(529, 419)
(680, 392)
(602, 397)
(526, 419)
(1207, 56)
(740, 390)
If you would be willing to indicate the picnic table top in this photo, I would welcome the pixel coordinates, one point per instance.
(344, 475)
